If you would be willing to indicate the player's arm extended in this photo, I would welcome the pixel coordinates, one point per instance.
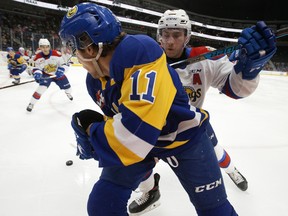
(257, 47)
(226, 80)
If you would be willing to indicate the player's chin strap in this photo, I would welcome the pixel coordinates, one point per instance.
(95, 60)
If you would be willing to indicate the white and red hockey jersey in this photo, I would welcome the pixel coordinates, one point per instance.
(48, 64)
(219, 73)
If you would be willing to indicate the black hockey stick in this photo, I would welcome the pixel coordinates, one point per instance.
(12, 85)
(25, 82)
(223, 51)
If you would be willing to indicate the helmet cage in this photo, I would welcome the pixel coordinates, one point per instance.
(72, 43)
(97, 23)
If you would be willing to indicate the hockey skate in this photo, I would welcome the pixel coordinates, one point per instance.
(239, 180)
(147, 201)
(16, 81)
(30, 107)
(29, 71)
(69, 96)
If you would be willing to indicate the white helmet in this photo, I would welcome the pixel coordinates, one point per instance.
(44, 42)
(21, 50)
(174, 19)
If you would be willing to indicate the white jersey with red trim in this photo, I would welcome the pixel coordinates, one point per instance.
(49, 63)
(219, 73)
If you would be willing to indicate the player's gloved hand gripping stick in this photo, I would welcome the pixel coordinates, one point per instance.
(256, 46)
(80, 123)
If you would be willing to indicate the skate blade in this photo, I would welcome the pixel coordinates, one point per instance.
(151, 207)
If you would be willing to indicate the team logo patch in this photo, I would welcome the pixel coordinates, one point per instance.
(50, 68)
(192, 93)
(71, 12)
(100, 101)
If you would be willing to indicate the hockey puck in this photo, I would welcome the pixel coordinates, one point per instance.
(69, 163)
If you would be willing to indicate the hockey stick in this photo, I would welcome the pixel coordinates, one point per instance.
(28, 81)
(223, 51)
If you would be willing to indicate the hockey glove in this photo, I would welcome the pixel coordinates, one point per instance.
(60, 72)
(257, 47)
(37, 75)
(10, 66)
(13, 63)
(80, 123)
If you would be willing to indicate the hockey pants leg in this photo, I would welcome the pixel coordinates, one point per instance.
(110, 195)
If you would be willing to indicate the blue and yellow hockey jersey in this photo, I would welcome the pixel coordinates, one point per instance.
(148, 108)
(15, 60)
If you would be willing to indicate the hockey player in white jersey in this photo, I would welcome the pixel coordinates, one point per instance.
(239, 81)
(49, 67)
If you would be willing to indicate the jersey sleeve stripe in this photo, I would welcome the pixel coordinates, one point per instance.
(139, 128)
(128, 147)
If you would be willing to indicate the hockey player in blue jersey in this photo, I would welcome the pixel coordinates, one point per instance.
(147, 115)
(16, 65)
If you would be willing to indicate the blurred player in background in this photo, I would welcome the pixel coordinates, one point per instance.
(16, 65)
(23, 52)
(49, 67)
(239, 81)
(25, 55)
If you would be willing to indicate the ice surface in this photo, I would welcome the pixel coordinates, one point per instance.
(34, 147)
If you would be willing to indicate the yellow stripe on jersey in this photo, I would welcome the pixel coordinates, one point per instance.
(21, 60)
(115, 107)
(103, 82)
(174, 144)
(112, 81)
(153, 113)
(205, 114)
(128, 147)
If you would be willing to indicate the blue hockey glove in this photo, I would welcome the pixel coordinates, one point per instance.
(257, 47)
(37, 75)
(60, 72)
(10, 66)
(80, 123)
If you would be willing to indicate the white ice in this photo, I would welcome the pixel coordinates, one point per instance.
(34, 147)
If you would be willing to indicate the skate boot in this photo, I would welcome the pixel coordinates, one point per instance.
(69, 96)
(29, 71)
(30, 107)
(16, 81)
(239, 180)
(147, 201)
